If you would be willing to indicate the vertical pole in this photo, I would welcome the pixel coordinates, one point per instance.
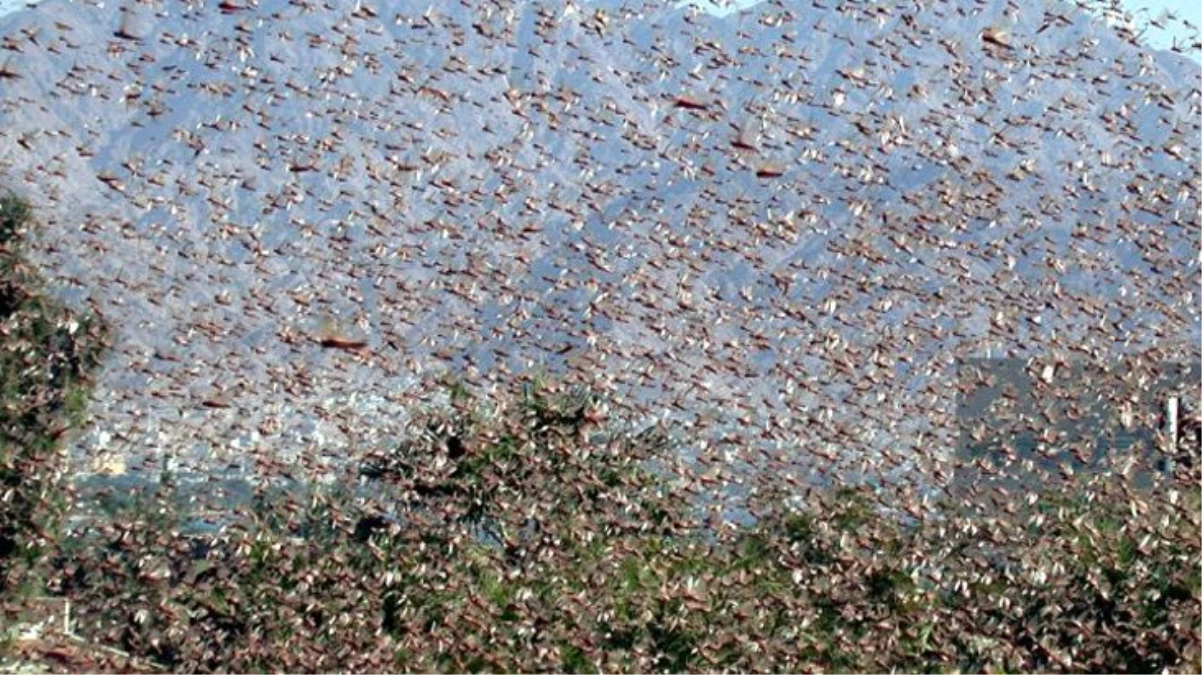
(1171, 410)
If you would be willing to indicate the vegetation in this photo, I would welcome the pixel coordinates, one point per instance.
(45, 355)
(524, 540)
(531, 533)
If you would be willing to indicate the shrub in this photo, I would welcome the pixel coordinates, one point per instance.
(45, 357)
(530, 538)
(14, 215)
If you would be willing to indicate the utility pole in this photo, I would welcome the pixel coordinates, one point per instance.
(1172, 408)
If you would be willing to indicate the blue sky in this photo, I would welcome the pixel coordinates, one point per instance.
(1145, 10)
(1191, 10)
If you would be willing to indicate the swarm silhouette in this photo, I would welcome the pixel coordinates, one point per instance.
(614, 336)
(790, 222)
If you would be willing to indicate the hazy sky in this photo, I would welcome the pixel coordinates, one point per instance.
(1190, 10)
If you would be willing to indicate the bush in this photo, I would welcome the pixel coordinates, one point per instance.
(45, 357)
(531, 538)
(14, 215)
